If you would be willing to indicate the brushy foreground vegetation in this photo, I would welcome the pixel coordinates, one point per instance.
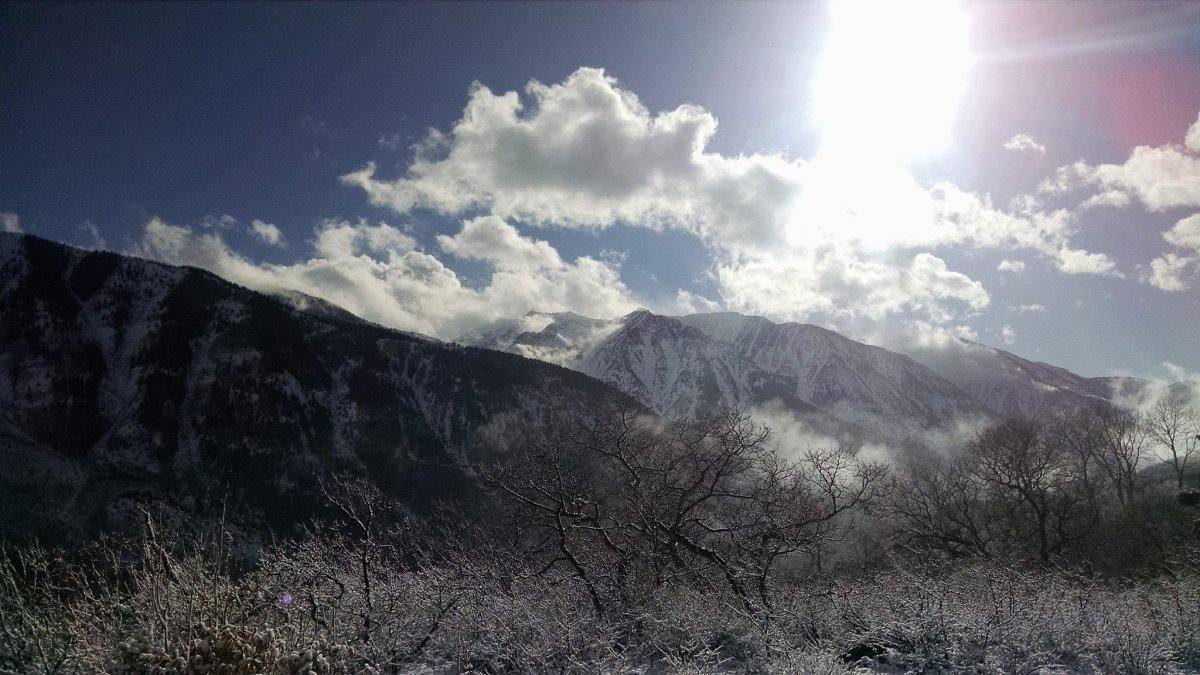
(621, 544)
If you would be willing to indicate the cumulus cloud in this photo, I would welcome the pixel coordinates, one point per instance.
(1185, 234)
(1192, 139)
(840, 286)
(339, 240)
(1171, 272)
(825, 235)
(1009, 265)
(1161, 178)
(268, 233)
(377, 272)
(1024, 143)
(1007, 334)
(586, 153)
(1077, 261)
(10, 222)
(491, 239)
(1176, 270)
(687, 302)
(1112, 198)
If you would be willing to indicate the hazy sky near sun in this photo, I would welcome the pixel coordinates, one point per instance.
(1027, 175)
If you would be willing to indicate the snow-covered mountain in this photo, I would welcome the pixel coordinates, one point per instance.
(687, 366)
(1013, 386)
(124, 378)
(554, 337)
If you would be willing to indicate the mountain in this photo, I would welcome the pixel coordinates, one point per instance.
(123, 379)
(554, 337)
(1012, 386)
(688, 366)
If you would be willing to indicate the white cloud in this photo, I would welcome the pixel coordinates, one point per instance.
(491, 239)
(1161, 178)
(339, 240)
(1171, 272)
(10, 222)
(376, 272)
(583, 153)
(587, 153)
(841, 286)
(975, 222)
(1111, 198)
(1007, 334)
(1185, 234)
(687, 302)
(1077, 261)
(842, 237)
(1024, 143)
(1014, 266)
(1180, 374)
(1031, 308)
(1192, 139)
(1175, 271)
(268, 233)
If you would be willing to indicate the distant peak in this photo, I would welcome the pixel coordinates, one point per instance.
(557, 316)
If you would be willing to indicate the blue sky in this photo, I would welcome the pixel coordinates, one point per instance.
(169, 130)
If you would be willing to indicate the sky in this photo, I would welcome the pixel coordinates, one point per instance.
(1026, 175)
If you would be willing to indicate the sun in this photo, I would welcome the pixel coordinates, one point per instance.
(891, 77)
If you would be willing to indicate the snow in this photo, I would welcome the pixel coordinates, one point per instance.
(684, 366)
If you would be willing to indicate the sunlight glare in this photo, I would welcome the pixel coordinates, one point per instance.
(890, 77)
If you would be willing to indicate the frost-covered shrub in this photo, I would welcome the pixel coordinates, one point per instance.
(376, 591)
(1005, 619)
(302, 609)
(35, 621)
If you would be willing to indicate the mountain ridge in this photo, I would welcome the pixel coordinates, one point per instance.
(748, 359)
(123, 379)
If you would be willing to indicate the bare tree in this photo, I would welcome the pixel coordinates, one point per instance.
(620, 499)
(1044, 495)
(942, 504)
(373, 524)
(1174, 424)
(1124, 443)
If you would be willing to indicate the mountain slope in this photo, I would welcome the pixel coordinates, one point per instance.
(1013, 386)
(688, 366)
(871, 386)
(122, 378)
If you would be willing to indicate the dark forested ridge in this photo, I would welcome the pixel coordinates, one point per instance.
(122, 378)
